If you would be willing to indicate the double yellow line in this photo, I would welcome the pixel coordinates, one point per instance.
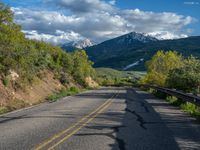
(74, 128)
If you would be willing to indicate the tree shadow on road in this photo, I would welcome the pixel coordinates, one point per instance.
(135, 125)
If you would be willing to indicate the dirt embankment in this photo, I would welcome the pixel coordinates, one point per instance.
(32, 94)
(13, 98)
(91, 83)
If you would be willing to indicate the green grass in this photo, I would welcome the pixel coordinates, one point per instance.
(190, 108)
(174, 101)
(63, 93)
(108, 76)
(3, 110)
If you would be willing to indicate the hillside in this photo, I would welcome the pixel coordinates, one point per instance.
(107, 76)
(129, 51)
(32, 70)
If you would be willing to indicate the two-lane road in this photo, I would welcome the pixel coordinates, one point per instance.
(103, 119)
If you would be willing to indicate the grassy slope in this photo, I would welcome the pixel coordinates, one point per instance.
(116, 76)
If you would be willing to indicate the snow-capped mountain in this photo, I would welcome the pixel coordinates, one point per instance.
(131, 51)
(134, 36)
(78, 45)
(119, 45)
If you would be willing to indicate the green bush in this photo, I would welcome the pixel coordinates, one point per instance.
(186, 77)
(74, 89)
(6, 81)
(174, 101)
(160, 66)
(3, 110)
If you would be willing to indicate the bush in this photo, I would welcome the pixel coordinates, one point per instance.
(3, 110)
(74, 89)
(160, 65)
(6, 81)
(187, 77)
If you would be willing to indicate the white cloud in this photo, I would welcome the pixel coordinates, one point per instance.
(99, 21)
(164, 35)
(155, 21)
(85, 6)
(61, 37)
(112, 2)
(191, 3)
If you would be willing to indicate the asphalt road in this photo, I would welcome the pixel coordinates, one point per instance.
(104, 119)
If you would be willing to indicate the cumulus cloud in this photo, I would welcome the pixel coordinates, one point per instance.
(148, 22)
(97, 20)
(59, 37)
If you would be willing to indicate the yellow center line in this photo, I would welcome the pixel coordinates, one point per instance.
(83, 125)
(42, 145)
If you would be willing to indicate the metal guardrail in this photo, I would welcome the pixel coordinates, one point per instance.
(183, 96)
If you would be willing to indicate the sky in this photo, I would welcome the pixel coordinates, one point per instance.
(63, 21)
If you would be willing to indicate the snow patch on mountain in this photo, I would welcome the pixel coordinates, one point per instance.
(81, 44)
(134, 36)
(133, 64)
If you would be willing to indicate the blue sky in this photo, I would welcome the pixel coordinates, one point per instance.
(61, 21)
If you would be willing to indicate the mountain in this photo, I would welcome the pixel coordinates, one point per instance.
(131, 51)
(81, 44)
(112, 48)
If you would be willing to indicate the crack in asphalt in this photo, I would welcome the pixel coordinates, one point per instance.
(139, 118)
(145, 107)
(142, 104)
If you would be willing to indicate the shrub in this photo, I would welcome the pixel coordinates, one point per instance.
(3, 110)
(6, 81)
(160, 65)
(187, 77)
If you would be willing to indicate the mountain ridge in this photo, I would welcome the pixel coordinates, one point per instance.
(119, 55)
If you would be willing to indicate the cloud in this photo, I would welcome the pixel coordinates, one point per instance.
(102, 27)
(191, 3)
(112, 2)
(59, 38)
(98, 21)
(164, 35)
(85, 6)
(146, 21)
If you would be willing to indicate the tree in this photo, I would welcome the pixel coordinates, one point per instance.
(187, 77)
(6, 15)
(160, 65)
(82, 66)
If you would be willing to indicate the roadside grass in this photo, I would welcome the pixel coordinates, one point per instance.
(190, 108)
(63, 93)
(3, 110)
